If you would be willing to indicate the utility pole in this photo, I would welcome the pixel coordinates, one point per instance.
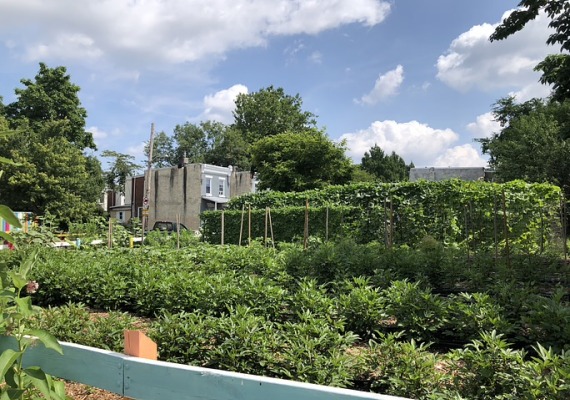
(147, 183)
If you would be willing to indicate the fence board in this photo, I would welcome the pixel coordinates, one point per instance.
(142, 379)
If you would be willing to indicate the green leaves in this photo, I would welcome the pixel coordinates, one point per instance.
(7, 214)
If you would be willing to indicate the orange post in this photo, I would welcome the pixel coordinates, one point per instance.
(137, 344)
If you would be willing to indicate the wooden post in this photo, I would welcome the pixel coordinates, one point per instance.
(241, 226)
(271, 227)
(137, 344)
(327, 225)
(110, 234)
(249, 225)
(506, 227)
(147, 184)
(306, 232)
(266, 227)
(223, 228)
(177, 231)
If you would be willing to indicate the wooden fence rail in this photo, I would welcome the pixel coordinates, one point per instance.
(143, 379)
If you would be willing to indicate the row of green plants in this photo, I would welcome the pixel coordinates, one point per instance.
(317, 350)
(363, 285)
(479, 215)
(352, 315)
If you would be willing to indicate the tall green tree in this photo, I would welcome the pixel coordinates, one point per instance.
(121, 166)
(386, 168)
(297, 161)
(163, 154)
(51, 176)
(48, 140)
(230, 148)
(534, 142)
(555, 68)
(270, 111)
(51, 97)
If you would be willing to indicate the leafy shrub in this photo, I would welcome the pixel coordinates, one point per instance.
(487, 369)
(77, 324)
(361, 306)
(417, 311)
(547, 320)
(398, 368)
(471, 314)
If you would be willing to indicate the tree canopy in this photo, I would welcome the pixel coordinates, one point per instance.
(270, 111)
(555, 68)
(47, 138)
(534, 142)
(297, 161)
(51, 97)
(386, 168)
(121, 166)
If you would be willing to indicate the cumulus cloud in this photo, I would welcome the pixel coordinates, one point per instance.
(484, 126)
(472, 61)
(461, 156)
(168, 31)
(220, 105)
(413, 141)
(386, 85)
(97, 133)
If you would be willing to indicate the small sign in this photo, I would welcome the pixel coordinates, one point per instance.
(145, 213)
(145, 203)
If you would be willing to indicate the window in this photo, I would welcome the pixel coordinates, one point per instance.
(121, 216)
(222, 187)
(209, 185)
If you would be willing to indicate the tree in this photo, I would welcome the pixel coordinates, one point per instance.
(386, 168)
(534, 143)
(230, 149)
(48, 138)
(270, 112)
(163, 154)
(297, 161)
(555, 68)
(52, 97)
(51, 176)
(120, 168)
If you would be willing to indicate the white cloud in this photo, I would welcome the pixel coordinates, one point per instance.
(386, 85)
(484, 126)
(460, 156)
(168, 31)
(472, 61)
(413, 141)
(316, 57)
(219, 106)
(97, 133)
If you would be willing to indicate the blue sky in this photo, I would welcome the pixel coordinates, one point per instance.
(418, 77)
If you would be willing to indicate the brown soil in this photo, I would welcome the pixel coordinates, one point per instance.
(77, 391)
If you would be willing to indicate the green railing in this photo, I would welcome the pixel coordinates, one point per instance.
(142, 379)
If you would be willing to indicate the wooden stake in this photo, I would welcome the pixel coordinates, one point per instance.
(327, 225)
(249, 225)
(266, 227)
(506, 227)
(241, 226)
(306, 233)
(223, 228)
(271, 227)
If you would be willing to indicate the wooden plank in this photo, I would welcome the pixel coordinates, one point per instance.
(94, 367)
(142, 379)
(151, 380)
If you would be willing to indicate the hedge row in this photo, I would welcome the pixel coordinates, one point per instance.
(476, 214)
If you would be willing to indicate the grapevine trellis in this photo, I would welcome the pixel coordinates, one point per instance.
(479, 216)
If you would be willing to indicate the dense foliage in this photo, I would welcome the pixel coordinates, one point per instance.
(386, 168)
(478, 215)
(357, 316)
(46, 136)
(297, 161)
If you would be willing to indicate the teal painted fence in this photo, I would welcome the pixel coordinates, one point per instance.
(142, 379)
